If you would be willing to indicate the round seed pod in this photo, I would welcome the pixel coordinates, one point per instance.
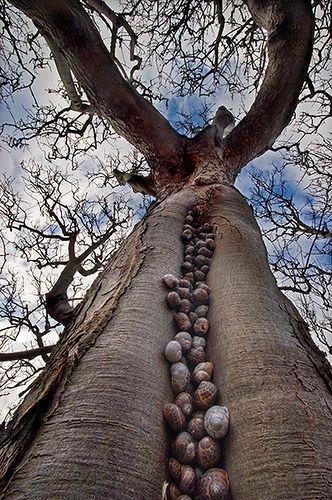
(184, 293)
(214, 485)
(203, 372)
(185, 339)
(200, 296)
(174, 469)
(199, 341)
(188, 479)
(180, 377)
(196, 355)
(187, 267)
(170, 281)
(173, 351)
(185, 306)
(196, 427)
(199, 275)
(216, 421)
(185, 401)
(183, 322)
(205, 395)
(174, 416)
(193, 317)
(184, 447)
(173, 300)
(185, 284)
(201, 326)
(189, 250)
(204, 251)
(208, 452)
(210, 243)
(188, 258)
(202, 311)
(188, 227)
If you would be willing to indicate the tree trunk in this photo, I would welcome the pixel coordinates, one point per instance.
(92, 426)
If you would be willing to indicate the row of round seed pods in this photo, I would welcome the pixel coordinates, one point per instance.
(196, 421)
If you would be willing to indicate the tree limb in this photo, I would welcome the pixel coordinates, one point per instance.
(131, 116)
(29, 354)
(290, 37)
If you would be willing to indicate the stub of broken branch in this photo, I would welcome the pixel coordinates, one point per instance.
(58, 307)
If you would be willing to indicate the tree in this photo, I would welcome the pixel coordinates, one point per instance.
(100, 395)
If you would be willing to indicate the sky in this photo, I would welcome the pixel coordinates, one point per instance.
(192, 105)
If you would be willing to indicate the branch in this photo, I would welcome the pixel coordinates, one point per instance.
(65, 75)
(290, 36)
(57, 303)
(118, 21)
(29, 354)
(131, 116)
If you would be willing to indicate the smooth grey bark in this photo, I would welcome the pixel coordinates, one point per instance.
(107, 439)
(269, 371)
(92, 425)
(103, 435)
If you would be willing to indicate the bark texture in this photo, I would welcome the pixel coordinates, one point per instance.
(102, 434)
(92, 426)
(107, 419)
(269, 372)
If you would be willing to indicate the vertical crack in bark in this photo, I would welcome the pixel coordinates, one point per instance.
(197, 422)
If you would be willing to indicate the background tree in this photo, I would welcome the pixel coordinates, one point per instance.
(246, 304)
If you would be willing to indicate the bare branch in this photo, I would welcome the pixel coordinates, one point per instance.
(28, 354)
(66, 77)
(118, 21)
(290, 36)
(74, 32)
